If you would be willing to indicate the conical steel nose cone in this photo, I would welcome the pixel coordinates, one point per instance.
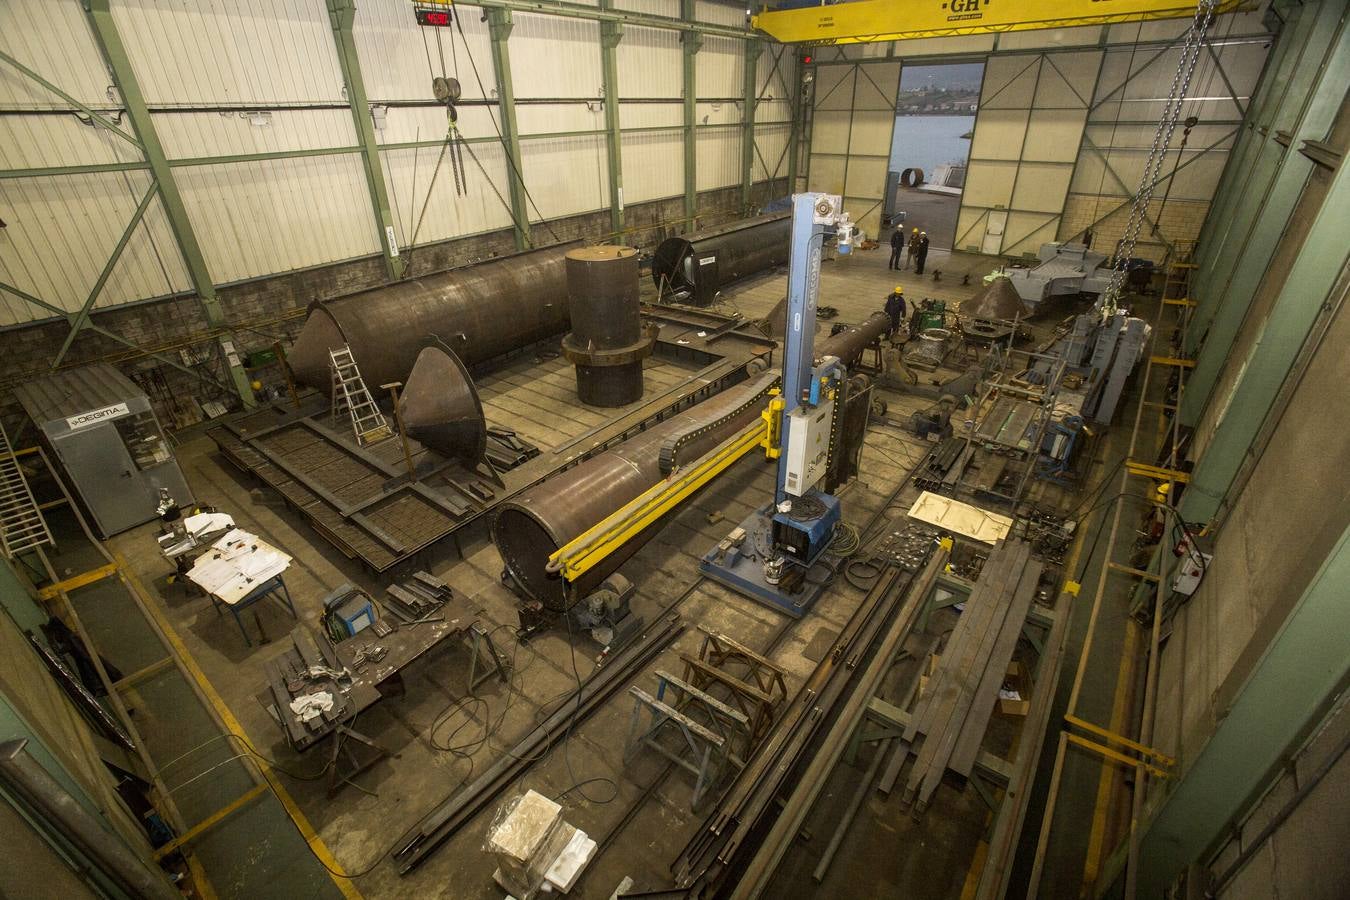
(440, 406)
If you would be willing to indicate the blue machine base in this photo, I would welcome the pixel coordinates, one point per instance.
(745, 573)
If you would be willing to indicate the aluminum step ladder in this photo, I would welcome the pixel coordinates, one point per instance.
(22, 527)
(351, 396)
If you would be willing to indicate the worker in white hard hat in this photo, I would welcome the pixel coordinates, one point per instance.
(920, 252)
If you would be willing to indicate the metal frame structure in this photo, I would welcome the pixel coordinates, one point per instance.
(691, 41)
(342, 15)
(500, 25)
(141, 134)
(611, 32)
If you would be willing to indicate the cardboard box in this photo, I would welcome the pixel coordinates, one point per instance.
(928, 671)
(1014, 696)
(526, 837)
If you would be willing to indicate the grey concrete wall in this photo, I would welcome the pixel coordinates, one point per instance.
(271, 309)
(1293, 843)
(1287, 518)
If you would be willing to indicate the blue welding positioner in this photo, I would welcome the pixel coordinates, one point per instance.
(803, 532)
(350, 609)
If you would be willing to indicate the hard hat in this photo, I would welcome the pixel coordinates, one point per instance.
(924, 233)
(916, 230)
(899, 289)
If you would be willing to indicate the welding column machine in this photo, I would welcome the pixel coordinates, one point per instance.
(768, 556)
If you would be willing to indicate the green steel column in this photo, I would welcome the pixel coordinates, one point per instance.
(342, 15)
(79, 320)
(1268, 86)
(115, 55)
(1239, 214)
(1285, 696)
(610, 35)
(1302, 298)
(499, 29)
(1327, 55)
(693, 42)
(752, 51)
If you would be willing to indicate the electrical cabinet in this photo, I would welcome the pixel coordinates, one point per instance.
(808, 446)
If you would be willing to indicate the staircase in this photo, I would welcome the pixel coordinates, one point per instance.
(351, 396)
(22, 527)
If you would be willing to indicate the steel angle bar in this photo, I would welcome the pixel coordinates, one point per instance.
(455, 811)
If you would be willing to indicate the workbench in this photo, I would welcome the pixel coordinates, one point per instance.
(239, 570)
(360, 672)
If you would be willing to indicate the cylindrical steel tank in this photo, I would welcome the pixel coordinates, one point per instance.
(479, 311)
(531, 526)
(607, 343)
(694, 266)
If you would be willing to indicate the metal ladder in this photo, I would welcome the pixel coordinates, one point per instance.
(350, 395)
(22, 527)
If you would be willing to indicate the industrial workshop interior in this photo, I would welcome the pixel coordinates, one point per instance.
(695, 449)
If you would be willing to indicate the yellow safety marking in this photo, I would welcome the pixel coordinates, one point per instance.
(1114, 755)
(976, 870)
(78, 581)
(212, 820)
(199, 879)
(1120, 739)
(587, 550)
(316, 844)
(1173, 361)
(1109, 776)
(1145, 470)
(1180, 301)
(1130, 570)
(1185, 266)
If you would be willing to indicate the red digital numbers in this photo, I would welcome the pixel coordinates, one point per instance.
(433, 17)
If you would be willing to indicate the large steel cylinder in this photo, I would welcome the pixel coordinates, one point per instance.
(479, 311)
(607, 343)
(535, 523)
(694, 266)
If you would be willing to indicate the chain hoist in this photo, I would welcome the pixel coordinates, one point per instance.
(1157, 155)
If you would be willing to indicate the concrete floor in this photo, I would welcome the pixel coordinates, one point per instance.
(442, 738)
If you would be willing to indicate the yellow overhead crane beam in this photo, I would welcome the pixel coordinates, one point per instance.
(867, 21)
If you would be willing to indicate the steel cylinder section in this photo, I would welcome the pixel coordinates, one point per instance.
(607, 343)
(851, 340)
(538, 521)
(479, 311)
(531, 526)
(692, 267)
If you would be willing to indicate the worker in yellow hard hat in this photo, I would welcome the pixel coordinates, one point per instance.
(913, 248)
(895, 307)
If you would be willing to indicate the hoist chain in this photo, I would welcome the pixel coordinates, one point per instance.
(1162, 141)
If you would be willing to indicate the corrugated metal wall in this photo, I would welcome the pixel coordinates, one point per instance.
(244, 77)
(258, 77)
(1030, 121)
(1056, 149)
(59, 232)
